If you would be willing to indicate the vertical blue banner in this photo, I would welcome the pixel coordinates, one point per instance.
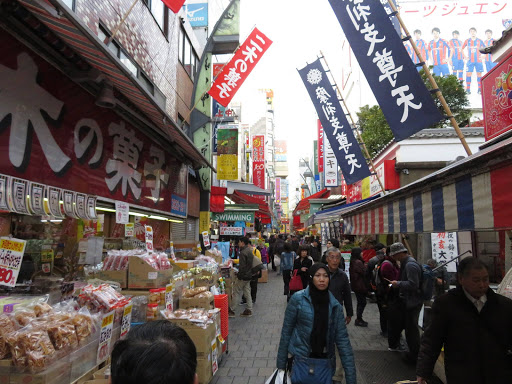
(393, 78)
(336, 127)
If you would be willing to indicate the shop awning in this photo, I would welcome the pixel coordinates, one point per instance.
(263, 212)
(304, 203)
(473, 194)
(335, 213)
(76, 35)
(246, 188)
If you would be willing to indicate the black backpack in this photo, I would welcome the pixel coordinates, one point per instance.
(427, 283)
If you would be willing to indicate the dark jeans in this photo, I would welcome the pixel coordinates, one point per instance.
(383, 313)
(286, 278)
(254, 287)
(361, 304)
(402, 318)
(273, 265)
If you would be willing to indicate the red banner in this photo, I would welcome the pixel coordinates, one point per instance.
(236, 71)
(320, 147)
(174, 5)
(53, 133)
(497, 99)
(258, 161)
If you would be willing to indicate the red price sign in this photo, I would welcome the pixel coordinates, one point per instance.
(6, 275)
(11, 255)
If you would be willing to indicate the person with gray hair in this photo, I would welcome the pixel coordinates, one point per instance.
(340, 288)
(473, 324)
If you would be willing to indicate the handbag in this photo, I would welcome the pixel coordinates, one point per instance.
(306, 370)
(295, 282)
(279, 377)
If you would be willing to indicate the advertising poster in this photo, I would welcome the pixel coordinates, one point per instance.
(444, 248)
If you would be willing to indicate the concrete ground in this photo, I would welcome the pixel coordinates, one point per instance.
(253, 343)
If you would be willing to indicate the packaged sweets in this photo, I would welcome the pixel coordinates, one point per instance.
(194, 291)
(152, 311)
(83, 326)
(154, 296)
(63, 335)
(7, 326)
(24, 317)
(42, 309)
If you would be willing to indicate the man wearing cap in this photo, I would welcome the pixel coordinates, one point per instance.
(404, 310)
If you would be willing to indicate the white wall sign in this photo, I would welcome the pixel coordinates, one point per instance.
(231, 231)
(444, 248)
(122, 212)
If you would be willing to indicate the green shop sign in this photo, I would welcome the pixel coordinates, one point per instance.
(233, 216)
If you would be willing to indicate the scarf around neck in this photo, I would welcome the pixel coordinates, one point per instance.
(320, 300)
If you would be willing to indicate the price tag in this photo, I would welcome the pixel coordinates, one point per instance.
(192, 283)
(215, 353)
(149, 238)
(47, 256)
(152, 275)
(129, 230)
(169, 304)
(107, 324)
(127, 319)
(11, 255)
(206, 239)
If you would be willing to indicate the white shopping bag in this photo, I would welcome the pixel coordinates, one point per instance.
(279, 376)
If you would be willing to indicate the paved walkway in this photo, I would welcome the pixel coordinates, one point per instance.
(253, 343)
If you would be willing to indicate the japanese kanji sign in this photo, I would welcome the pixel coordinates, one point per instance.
(54, 135)
(394, 79)
(336, 127)
(11, 256)
(236, 71)
(320, 144)
(258, 161)
(444, 248)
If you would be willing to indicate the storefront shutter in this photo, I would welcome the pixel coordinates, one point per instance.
(192, 229)
(178, 231)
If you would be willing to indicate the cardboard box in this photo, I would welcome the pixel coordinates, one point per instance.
(120, 277)
(98, 381)
(197, 302)
(204, 370)
(185, 264)
(201, 337)
(264, 276)
(100, 374)
(142, 275)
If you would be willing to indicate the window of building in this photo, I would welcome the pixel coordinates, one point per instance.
(185, 127)
(128, 63)
(146, 82)
(159, 12)
(70, 4)
(187, 56)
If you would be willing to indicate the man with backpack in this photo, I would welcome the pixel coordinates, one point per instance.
(404, 309)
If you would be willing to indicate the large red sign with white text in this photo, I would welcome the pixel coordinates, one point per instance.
(236, 71)
(52, 132)
(497, 99)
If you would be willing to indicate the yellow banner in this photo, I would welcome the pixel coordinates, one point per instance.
(365, 188)
(204, 221)
(227, 167)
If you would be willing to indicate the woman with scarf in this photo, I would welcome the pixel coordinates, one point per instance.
(313, 326)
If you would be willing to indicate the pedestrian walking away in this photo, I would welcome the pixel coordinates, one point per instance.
(313, 326)
(339, 286)
(357, 282)
(386, 271)
(287, 260)
(302, 264)
(404, 309)
(473, 324)
(242, 284)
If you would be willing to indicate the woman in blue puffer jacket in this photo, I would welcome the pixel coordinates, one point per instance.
(314, 324)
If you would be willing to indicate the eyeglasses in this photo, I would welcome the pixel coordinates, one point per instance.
(334, 257)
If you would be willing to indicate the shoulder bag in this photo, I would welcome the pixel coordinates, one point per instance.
(306, 370)
(296, 282)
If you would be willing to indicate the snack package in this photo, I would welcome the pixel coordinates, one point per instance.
(38, 348)
(42, 309)
(164, 261)
(63, 335)
(194, 291)
(7, 326)
(15, 342)
(83, 326)
(24, 317)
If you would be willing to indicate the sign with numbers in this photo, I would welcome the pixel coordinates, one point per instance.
(122, 212)
(206, 239)
(127, 319)
(149, 238)
(107, 325)
(129, 230)
(169, 304)
(444, 248)
(11, 255)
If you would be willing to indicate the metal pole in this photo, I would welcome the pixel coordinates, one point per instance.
(433, 82)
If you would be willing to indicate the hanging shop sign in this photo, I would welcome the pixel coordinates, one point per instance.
(11, 256)
(233, 216)
(445, 248)
(122, 212)
(258, 161)
(231, 231)
(56, 135)
(149, 238)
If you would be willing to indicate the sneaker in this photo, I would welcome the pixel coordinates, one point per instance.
(360, 323)
(231, 313)
(246, 313)
(397, 349)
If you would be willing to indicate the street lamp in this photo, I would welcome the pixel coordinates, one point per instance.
(308, 173)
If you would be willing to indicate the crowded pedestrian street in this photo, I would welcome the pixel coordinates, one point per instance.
(253, 343)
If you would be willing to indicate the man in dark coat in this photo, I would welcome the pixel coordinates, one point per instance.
(314, 252)
(474, 325)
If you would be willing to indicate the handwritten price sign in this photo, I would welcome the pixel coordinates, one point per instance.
(127, 319)
(107, 325)
(11, 255)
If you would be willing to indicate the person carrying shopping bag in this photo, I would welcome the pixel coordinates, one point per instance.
(313, 326)
(287, 259)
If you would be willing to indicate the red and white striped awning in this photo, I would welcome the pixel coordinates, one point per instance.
(474, 194)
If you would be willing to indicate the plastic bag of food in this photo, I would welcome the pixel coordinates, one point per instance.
(42, 309)
(7, 326)
(194, 291)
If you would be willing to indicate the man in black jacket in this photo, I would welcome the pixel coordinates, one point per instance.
(314, 252)
(340, 288)
(242, 282)
(474, 325)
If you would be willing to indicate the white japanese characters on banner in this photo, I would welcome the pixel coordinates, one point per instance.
(11, 255)
(444, 248)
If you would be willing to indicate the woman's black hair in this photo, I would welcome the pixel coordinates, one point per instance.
(287, 247)
(304, 248)
(156, 352)
(355, 254)
(335, 243)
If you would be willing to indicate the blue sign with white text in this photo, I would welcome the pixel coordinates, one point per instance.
(336, 127)
(197, 14)
(403, 97)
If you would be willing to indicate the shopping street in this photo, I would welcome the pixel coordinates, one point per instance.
(253, 343)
